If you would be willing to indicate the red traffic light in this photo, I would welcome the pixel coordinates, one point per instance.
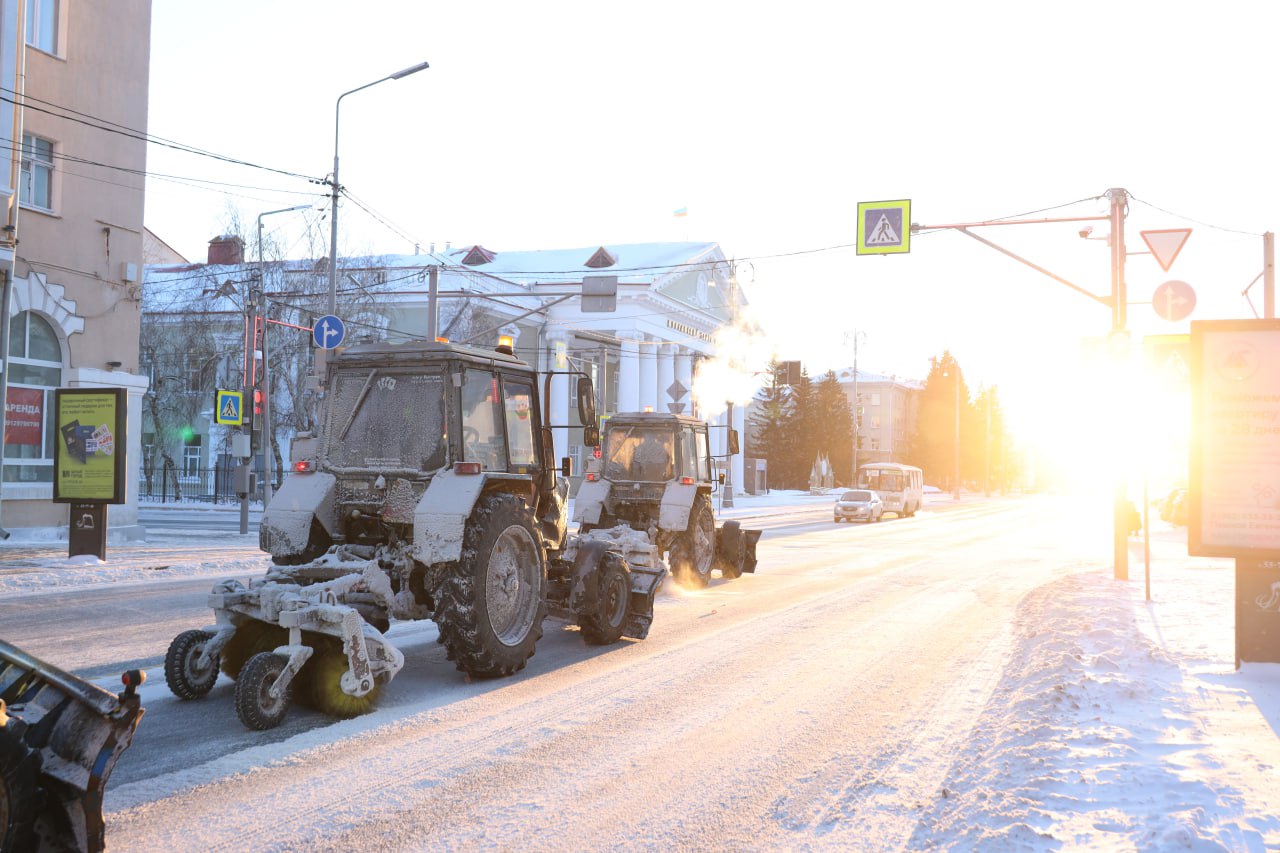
(257, 401)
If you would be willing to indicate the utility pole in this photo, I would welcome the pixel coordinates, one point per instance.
(1116, 301)
(726, 500)
(1269, 276)
(857, 409)
(1120, 522)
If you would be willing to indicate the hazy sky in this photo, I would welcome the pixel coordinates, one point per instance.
(575, 124)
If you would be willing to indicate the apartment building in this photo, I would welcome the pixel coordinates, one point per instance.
(73, 86)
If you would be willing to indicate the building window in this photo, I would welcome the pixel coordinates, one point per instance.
(191, 459)
(37, 172)
(35, 369)
(42, 25)
(875, 399)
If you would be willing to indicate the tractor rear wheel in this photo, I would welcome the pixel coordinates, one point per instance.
(490, 610)
(693, 552)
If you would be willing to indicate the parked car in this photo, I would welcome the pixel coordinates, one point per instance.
(858, 505)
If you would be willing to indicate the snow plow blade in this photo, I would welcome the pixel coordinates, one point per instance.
(60, 738)
(750, 538)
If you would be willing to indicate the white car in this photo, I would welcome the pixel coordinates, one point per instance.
(859, 505)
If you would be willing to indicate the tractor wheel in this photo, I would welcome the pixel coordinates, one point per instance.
(19, 792)
(322, 684)
(182, 670)
(693, 551)
(729, 551)
(608, 613)
(251, 638)
(490, 610)
(255, 706)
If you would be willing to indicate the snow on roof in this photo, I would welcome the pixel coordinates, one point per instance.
(167, 287)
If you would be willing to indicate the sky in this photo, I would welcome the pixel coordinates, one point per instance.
(580, 124)
(1113, 722)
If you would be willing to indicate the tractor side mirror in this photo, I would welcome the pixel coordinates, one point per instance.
(720, 478)
(586, 401)
(733, 442)
(591, 436)
(566, 466)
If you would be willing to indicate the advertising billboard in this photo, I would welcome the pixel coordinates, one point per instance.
(89, 451)
(1234, 495)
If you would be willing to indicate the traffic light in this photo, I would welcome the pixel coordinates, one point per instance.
(257, 401)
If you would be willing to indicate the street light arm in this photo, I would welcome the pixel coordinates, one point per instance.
(333, 215)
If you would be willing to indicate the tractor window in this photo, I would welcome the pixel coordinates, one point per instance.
(640, 453)
(689, 456)
(704, 456)
(387, 420)
(482, 439)
(517, 398)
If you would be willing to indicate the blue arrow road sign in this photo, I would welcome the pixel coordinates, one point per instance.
(328, 332)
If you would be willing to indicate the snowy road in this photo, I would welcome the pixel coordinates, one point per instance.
(820, 702)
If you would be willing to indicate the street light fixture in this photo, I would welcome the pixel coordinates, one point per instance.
(335, 186)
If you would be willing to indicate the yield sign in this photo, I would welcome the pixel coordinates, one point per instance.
(1165, 244)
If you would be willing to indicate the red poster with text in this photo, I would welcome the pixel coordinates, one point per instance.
(23, 416)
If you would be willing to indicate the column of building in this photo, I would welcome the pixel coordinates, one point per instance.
(666, 359)
(648, 374)
(628, 376)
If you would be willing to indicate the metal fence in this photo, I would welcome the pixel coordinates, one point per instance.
(207, 485)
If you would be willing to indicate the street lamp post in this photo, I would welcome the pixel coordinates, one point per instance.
(267, 432)
(956, 451)
(335, 186)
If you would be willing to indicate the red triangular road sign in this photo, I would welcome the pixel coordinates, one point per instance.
(1165, 244)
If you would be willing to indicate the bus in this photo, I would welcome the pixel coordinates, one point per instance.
(900, 487)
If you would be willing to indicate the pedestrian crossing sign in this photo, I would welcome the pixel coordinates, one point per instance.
(229, 407)
(884, 227)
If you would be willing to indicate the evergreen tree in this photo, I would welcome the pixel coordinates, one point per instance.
(767, 435)
(834, 426)
(933, 445)
(802, 434)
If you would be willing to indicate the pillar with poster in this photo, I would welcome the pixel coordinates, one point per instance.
(1234, 497)
(89, 462)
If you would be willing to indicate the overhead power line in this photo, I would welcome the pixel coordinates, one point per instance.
(67, 114)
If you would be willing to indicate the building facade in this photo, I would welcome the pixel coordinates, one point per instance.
(888, 408)
(75, 277)
(643, 354)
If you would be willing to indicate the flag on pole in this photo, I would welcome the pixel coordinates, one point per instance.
(684, 211)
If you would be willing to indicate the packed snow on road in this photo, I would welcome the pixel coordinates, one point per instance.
(971, 678)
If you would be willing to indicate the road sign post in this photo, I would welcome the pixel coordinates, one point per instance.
(884, 227)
